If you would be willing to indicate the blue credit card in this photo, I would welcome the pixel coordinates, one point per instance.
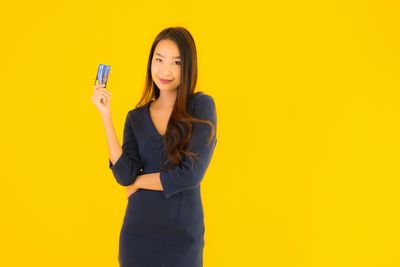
(102, 74)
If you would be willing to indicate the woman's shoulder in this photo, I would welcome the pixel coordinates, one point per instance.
(137, 111)
(201, 99)
(202, 105)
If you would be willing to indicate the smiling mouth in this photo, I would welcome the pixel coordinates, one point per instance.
(165, 81)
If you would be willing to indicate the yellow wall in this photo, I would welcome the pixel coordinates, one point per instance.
(306, 168)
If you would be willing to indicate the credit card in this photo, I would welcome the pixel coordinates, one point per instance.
(102, 74)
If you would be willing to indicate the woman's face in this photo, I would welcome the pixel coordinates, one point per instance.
(166, 65)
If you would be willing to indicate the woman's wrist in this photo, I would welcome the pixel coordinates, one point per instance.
(135, 183)
(106, 117)
(133, 186)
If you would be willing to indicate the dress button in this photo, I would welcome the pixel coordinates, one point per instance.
(160, 145)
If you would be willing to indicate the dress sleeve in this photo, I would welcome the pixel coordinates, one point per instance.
(185, 176)
(128, 165)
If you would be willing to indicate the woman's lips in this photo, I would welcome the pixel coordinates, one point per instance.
(165, 81)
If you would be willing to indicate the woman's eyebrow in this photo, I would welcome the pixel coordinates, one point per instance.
(163, 56)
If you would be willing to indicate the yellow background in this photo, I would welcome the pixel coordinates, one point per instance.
(306, 170)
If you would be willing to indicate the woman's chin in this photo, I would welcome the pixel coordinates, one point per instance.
(166, 87)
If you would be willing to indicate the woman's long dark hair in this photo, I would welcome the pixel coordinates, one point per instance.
(179, 127)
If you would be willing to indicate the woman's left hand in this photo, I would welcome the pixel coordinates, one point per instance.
(131, 189)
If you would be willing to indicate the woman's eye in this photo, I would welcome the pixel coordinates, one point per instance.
(178, 62)
(158, 59)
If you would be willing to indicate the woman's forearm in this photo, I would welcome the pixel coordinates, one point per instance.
(114, 148)
(149, 181)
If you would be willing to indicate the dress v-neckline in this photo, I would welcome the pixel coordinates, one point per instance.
(151, 120)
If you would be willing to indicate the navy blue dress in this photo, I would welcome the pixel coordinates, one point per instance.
(164, 228)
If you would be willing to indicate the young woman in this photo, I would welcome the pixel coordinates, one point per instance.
(168, 141)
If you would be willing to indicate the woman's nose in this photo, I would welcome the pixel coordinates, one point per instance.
(167, 73)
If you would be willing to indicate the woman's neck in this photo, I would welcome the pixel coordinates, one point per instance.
(166, 99)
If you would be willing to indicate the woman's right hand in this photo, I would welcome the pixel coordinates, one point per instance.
(102, 98)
